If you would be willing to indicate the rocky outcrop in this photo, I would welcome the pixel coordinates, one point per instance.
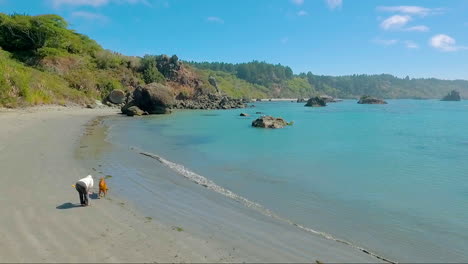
(366, 99)
(210, 101)
(214, 83)
(452, 96)
(152, 98)
(315, 102)
(301, 100)
(244, 114)
(269, 122)
(116, 97)
(169, 66)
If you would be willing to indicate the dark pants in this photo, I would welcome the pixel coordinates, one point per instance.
(81, 188)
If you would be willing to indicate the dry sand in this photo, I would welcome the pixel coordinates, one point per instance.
(38, 219)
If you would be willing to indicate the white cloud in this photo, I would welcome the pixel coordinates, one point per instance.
(411, 44)
(445, 43)
(334, 3)
(298, 2)
(385, 42)
(420, 28)
(412, 10)
(302, 13)
(214, 19)
(395, 22)
(93, 3)
(90, 16)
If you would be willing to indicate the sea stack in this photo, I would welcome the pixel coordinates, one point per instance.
(366, 99)
(452, 96)
(316, 102)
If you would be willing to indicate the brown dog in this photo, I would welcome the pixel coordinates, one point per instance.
(102, 187)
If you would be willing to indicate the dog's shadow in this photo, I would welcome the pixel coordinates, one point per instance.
(68, 206)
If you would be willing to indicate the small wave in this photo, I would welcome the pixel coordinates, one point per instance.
(200, 180)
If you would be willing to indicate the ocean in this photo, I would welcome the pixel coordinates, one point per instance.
(391, 179)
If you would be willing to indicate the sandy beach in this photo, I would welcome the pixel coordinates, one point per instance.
(40, 222)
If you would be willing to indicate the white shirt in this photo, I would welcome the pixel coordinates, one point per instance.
(88, 181)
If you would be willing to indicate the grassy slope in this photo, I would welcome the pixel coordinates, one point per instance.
(21, 85)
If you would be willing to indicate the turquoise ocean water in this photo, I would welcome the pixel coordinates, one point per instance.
(392, 179)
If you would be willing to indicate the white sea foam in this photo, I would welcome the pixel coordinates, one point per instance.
(198, 179)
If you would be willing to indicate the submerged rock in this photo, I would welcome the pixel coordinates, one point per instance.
(269, 122)
(244, 114)
(452, 96)
(316, 102)
(366, 99)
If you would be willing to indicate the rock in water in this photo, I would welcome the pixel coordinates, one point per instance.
(116, 97)
(269, 122)
(134, 111)
(301, 100)
(244, 114)
(316, 102)
(366, 99)
(452, 96)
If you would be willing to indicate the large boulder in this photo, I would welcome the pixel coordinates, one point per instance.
(269, 122)
(366, 99)
(116, 97)
(152, 98)
(301, 100)
(316, 102)
(452, 96)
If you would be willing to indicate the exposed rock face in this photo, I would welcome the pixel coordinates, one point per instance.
(269, 122)
(168, 66)
(301, 100)
(116, 97)
(152, 98)
(244, 114)
(214, 83)
(210, 101)
(316, 102)
(366, 99)
(452, 96)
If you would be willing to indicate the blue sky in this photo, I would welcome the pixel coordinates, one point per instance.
(419, 38)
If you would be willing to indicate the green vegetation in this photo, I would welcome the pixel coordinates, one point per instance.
(274, 83)
(42, 61)
(178, 229)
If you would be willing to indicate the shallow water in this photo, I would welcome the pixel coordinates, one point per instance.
(388, 178)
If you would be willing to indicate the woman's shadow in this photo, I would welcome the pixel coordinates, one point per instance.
(68, 206)
(93, 196)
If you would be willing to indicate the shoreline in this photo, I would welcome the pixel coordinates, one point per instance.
(41, 222)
